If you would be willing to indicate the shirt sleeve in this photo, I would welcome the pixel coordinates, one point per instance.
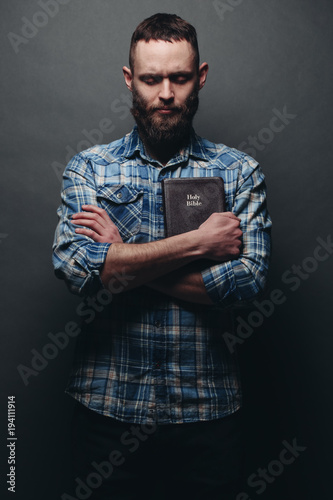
(244, 278)
(77, 258)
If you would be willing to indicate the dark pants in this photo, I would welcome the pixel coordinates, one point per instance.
(114, 460)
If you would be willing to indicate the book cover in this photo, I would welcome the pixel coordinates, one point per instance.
(189, 201)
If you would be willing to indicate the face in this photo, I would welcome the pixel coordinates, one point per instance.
(165, 87)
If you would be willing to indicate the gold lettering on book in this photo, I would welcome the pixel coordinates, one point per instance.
(193, 200)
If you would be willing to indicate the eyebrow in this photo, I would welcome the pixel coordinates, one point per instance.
(170, 75)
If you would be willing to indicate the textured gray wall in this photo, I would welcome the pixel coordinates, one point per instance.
(61, 91)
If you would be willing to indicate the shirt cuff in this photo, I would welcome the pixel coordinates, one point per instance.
(89, 260)
(220, 284)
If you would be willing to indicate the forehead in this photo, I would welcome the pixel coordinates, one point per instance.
(158, 56)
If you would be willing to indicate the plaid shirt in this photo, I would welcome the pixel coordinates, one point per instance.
(142, 356)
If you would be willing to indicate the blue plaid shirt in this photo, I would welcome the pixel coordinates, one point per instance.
(143, 356)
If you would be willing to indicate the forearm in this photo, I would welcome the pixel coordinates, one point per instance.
(217, 239)
(146, 262)
(183, 285)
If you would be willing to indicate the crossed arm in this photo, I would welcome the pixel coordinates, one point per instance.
(162, 265)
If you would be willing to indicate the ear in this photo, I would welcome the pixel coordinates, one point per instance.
(203, 71)
(128, 77)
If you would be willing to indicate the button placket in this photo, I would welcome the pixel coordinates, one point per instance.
(159, 349)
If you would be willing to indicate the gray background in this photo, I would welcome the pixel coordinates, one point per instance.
(264, 55)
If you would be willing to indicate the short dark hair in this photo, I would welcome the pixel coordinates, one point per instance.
(167, 27)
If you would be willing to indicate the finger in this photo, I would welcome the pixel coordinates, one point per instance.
(97, 210)
(90, 224)
(88, 232)
(91, 208)
(86, 216)
(231, 215)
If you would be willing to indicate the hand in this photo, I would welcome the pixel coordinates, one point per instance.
(98, 225)
(221, 236)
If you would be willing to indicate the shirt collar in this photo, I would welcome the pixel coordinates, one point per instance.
(195, 148)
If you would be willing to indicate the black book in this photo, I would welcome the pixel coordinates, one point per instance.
(189, 201)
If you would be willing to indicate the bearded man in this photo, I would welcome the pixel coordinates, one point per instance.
(157, 389)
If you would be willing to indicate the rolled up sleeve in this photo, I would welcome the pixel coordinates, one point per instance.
(77, 259)
(244, 278)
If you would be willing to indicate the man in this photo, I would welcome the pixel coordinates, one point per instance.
(158, 389)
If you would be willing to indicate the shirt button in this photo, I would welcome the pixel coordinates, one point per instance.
(161, 209)
(119, 195)
(157, 324)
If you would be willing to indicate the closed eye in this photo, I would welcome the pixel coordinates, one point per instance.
(151, 80)
(180, 79)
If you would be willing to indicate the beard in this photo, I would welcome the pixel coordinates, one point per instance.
(165, 134)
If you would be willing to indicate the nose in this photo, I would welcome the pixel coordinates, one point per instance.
(166, 90)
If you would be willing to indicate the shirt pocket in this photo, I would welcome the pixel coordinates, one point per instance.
(123, 204)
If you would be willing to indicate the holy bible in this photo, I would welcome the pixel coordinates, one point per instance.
(189, 201)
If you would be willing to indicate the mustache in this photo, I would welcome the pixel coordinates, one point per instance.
(179, 109)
